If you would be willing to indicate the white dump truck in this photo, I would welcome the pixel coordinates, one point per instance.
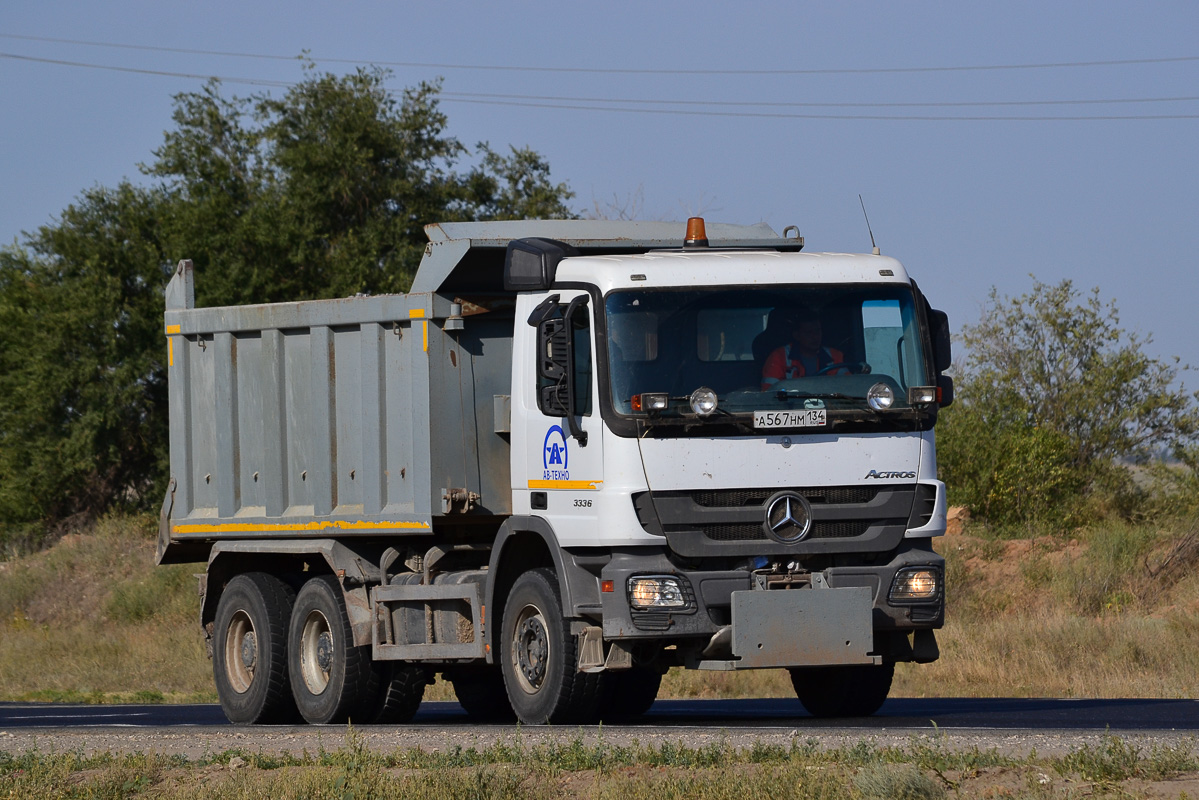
(576, 454)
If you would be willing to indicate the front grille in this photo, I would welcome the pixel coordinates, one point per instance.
(651, 620)
(737, 498)
(922, 509)
(844, 518)
(751, 532)
(926, 613)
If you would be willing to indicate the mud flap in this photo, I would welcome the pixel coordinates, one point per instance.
(802, 627)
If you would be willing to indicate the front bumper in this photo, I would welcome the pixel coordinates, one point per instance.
(837, 604)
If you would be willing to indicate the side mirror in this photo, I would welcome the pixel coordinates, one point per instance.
(531, 264)
(945, 385)
(938, 322)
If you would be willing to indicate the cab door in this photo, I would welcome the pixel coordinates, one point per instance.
(558, 466)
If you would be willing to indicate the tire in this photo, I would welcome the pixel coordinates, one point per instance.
(332, 681)
(853, 691)
(628, 694)
(538, 656)
(399, 688)
(481, 693)
(249, 650)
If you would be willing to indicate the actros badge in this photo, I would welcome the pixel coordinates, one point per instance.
(889, 475)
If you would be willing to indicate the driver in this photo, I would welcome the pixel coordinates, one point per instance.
(803, 355)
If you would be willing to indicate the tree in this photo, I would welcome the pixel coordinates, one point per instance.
(322, 192)
(336, 180)
(1052, 393)
(82, 387)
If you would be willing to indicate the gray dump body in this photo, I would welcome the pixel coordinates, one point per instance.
(365, 416)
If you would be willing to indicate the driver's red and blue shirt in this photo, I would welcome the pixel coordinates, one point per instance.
(781, 366)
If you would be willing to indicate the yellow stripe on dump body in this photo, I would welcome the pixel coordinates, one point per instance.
(171, 329)
(589, 485)
(416, 313)
(272, 527)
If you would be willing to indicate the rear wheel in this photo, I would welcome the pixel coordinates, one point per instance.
(331, 679)
(852, 691)
(249, 650)
(538, 656)
(399, 688)
(481, 693)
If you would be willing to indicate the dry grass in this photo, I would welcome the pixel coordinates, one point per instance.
(91, 619)
(1111, 613)
(1094, 616)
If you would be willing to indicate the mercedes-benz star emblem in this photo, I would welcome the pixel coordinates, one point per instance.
(788, 517)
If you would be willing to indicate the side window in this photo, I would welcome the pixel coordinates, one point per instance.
(580, 346)
(580, 328)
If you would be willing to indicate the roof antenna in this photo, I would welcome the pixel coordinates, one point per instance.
(877, 252)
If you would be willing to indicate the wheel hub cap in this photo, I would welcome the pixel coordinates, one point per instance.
(324, 651)
(532, 650)
(249, 650)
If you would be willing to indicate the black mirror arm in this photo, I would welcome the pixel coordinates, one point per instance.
(543, 310)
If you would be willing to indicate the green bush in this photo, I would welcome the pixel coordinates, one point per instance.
(1011, 476)
(1173, 488)
(1053, 398)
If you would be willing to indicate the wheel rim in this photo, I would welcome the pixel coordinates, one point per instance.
(316, 652)
(530, 649)
(241, 652)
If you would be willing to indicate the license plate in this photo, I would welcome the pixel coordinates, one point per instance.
(797, 418)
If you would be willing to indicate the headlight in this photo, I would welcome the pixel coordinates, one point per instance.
(915, 585)
(650, 401)
(656, 591)
(703, 401)
(922, 395)
(880, 397)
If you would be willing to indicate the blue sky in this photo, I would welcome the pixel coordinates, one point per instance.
(966, 204)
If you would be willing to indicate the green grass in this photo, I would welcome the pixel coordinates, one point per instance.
(928, 768)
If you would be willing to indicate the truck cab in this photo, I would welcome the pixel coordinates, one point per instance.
(667, 420)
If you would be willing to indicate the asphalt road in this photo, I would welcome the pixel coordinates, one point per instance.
(910, 714)
(1014, 727)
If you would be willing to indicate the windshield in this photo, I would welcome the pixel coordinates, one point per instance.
(770, 348)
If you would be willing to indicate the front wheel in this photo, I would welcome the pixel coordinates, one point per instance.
(850, 691)
(331, 679)
(627, 694)
(538, 656)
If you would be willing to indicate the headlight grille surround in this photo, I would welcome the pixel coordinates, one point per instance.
(916, 586)
(660, 593)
